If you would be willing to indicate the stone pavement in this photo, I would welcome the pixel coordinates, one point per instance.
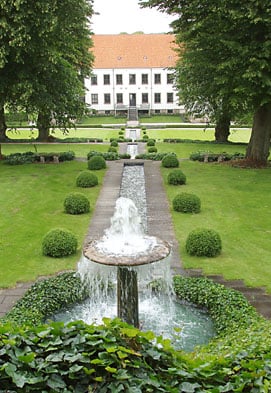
(159, 224)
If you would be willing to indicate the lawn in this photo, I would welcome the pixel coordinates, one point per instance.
(202, 134)
(235, 202)
(101, 133)
(80, 150)
(31, 201)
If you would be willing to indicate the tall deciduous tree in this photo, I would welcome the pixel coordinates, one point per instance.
(23, 25)
(44, 58)
(243, 29)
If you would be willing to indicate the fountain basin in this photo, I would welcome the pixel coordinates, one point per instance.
(159, 250)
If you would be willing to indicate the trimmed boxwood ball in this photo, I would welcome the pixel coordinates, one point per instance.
(170, 161)
(112, 149)
(152, 149)
(76, 203)
(151, 142)
(186, 203)
(86, 179)
(59, 243)
(96, 163)
(114, 143)
(176, 177)
(203, 242)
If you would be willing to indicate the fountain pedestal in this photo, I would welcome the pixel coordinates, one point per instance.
(125, 246)
(127, 293)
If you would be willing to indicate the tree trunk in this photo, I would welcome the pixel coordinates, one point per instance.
(259, 144)
(43, 125)
(222, 128)
(3, 126)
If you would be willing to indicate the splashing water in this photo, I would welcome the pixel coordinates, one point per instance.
(125, 235)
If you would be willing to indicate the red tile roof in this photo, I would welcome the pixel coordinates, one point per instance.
(134, 51)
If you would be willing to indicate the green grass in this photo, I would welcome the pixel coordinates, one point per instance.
(31, 201)
(80, 150)
(183, 150)
(102, 133)
(236, 203)
(201, 134)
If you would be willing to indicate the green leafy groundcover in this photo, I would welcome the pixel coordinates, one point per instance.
(116, 357)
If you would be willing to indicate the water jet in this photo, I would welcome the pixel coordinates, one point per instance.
(124, 266)
(125, 246)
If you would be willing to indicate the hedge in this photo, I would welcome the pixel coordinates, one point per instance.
(116, 357)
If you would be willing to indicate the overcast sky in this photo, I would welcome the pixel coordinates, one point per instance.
(118, 16)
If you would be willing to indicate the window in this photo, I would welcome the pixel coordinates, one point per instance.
(106, 79)
(169, 98)
(170, 111)
(170, 79)
(93, 80)
(119, 98)
(107, 99)
(94, 99)
(157, 79)
(145, 98)
(144, 79)
(157, 98)
(119, 79)
(132, 79)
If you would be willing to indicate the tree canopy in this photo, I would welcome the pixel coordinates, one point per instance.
(45, 56)
(235, 40)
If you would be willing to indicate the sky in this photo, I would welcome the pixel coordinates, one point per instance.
(125, 16)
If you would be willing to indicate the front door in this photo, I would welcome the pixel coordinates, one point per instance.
(132, 99)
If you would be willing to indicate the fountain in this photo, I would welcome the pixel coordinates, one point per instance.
(128, 274)
(125, 246)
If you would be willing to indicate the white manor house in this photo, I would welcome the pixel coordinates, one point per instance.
(132, 74)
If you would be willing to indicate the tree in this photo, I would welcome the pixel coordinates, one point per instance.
(200, 93)
(46, 44)
(244, 29)
(25, 26)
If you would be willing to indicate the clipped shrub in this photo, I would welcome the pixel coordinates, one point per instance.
(86, 179)
(145, 137)
(203, 242)
(93, 153)
(112, 149)
(124, 156)
(96, 162)
(114, 143)
(59, 243)
(46, 297)
(66, 156)
(76, 203)
(151, 156)
(111, 156)
(21, 158)
(151, 142)
(152, 149)
(186, 203)
(170, 161)
(176, 177)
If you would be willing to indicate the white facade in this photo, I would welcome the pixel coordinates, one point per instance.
(150, 90)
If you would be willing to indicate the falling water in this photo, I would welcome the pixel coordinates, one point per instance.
(125, 248)
(132, 149)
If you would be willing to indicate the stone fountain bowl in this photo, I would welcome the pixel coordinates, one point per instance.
(158, 252)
